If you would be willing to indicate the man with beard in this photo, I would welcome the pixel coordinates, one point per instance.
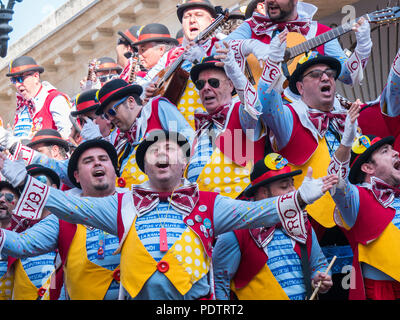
(166, 226)
(256, 33)
(86, 266)
(8, 200)
(368, 207)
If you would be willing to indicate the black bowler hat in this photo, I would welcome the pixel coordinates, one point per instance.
(361, 151)
(34, 169)
(115, 89)
(179, 36)
(309, 60)
(94, 143)
(237, 13)
(85, 101)
(155, 32)
(272, 168)
(251, 7)
(131, 34)
(48, 136)
(21, 65)
(160, 135)
(107, 64)
(206, 4)
(5, 184)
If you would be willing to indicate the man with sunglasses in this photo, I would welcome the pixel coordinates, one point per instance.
(307, 132)
(39, 104)
(255, 34)
(228, 138)
(86, 261)
(122, 105)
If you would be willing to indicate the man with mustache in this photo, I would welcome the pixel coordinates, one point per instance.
(166, 225)
(256, 33)
(368, 202)
(88, 269)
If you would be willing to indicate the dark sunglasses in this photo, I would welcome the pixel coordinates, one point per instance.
(317, 74)
(213, 82)
(113, 110)
(21, 78)
(9, 197)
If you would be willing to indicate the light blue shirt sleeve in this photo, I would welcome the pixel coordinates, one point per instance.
(275, 114)
(231, 214)
(318, 261)
(171, 119)
(100, 213)
(253, 128)
(226, 260)
(334, 50)
(390, 98)
(59, 166)
(39, 239)
(348, 203)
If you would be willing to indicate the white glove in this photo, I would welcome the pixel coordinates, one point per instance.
(14, 171)
(364, 42)
(311, 189)
(277, 50)
(234, 72)
(194, 54)
(90, 130)
(7, 138)
(350, 132)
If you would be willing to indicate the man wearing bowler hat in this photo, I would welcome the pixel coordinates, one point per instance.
(166, 226)
(368, 209)
(50, 143)
(266, 263)
(121, 104)
(39, 104)
(228, 137)
(154, 40)
(254, 36)
(88, 269)
(195, 16)
(104, 69)
(126, 49)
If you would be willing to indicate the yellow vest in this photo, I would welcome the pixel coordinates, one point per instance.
(24, 289)
(6, 286)
(131, 172)
(185, 267)
(263, 286)
(384, 252)
(322, 209)
(84, 280)
(190, 103)
(223, 176)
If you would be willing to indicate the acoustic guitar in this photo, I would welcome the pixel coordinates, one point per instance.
(298, 45)
(171, 82)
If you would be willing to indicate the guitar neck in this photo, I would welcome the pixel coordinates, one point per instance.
(308, 45)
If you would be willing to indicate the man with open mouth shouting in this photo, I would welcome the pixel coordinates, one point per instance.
(167, 226)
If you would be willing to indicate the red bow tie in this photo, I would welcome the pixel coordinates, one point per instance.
(203, 120)
(182, 199)
(321, 120)
(22, 102)
(265, 24)
(383, 192)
